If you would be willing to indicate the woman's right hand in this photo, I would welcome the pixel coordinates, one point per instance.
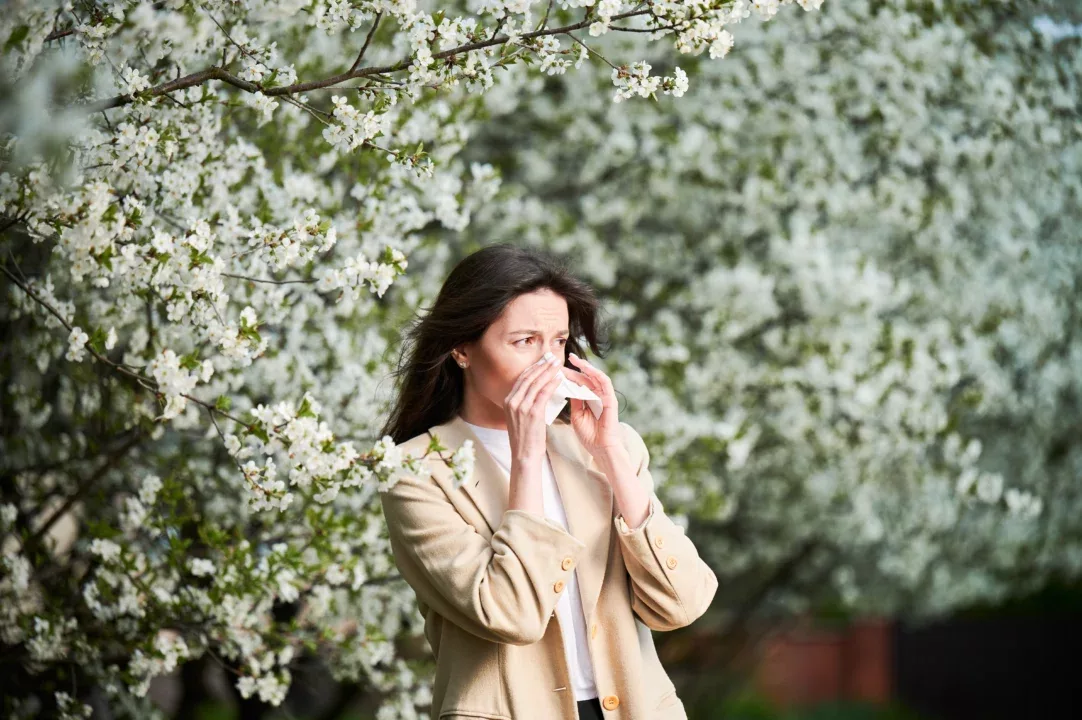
(524, 408)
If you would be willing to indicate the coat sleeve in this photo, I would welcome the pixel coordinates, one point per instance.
(504, 589)
(671, 586)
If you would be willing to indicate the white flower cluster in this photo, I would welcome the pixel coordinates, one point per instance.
(175, 381)
(132, 81)
(636, 80)
(76, 344)
(68, 708)
(462, 463)
(389, 460)
(702, 24)
(168, 650)
(305, 443)
(264, 105)
(358, 272)
(333, 16)
(605, 11)
(353, 128)
(50, 639)
(308, 238)
(1055, 31)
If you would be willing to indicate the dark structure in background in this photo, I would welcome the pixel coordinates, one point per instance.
(1009, 667)
(1017, 662)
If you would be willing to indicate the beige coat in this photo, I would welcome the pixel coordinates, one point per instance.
(487, 580)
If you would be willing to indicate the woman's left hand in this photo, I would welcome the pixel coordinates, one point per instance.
(600, 436)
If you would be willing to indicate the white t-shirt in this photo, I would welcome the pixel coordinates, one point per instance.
(569, 604)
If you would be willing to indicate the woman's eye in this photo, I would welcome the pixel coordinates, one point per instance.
(528, 340)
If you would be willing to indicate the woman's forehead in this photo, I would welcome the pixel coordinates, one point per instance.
(538, 312)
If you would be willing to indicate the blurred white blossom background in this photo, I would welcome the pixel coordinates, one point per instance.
(840, 252)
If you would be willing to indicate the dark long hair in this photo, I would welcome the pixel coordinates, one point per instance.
(479, 287)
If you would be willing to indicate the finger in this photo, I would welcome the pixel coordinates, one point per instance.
(541, 390)
(598, 381)
(590, 371)
(589, 383)
(536, 375)
(575, 376)
(525, 376)
(583, 365)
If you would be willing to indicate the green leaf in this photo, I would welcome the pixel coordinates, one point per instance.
(97, 340)
(105, 258)
(223, 403)
(190, 361)
(199, 258)
(257, 430)
(17, 36)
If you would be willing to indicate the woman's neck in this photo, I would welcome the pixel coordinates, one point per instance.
(481, 412)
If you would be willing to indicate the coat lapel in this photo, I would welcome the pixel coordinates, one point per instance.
(487, 488)
(585, 492)
(588, 504)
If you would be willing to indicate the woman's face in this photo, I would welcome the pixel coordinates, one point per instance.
(530, 325)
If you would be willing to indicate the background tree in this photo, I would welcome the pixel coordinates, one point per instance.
(845, 274)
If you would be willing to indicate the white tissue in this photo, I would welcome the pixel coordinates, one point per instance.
(568, 389)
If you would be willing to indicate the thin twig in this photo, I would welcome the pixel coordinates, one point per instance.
(83, 488)
(367, 40)
(57, 34)
(267, 280)
(545, 19)
(591, 51)
(236, 462)
(641, 30)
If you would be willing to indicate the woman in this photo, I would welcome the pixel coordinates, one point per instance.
(541, 576)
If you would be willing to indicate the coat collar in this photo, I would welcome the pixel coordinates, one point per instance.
(584, 490)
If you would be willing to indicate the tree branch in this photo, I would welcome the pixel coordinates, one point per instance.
(219, 73)
(266, 280)
(83, 488)
(57, 34)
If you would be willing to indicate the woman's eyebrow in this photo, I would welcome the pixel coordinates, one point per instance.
(565, 331)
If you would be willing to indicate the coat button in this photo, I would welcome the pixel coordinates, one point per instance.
(659, 541)
(611, 702)
(671, 562)
(559, 586)
(567, 563)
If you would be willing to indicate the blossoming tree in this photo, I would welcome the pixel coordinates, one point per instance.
(202, 206)
(845, 278)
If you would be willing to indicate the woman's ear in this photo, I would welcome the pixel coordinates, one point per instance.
(459, 357)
